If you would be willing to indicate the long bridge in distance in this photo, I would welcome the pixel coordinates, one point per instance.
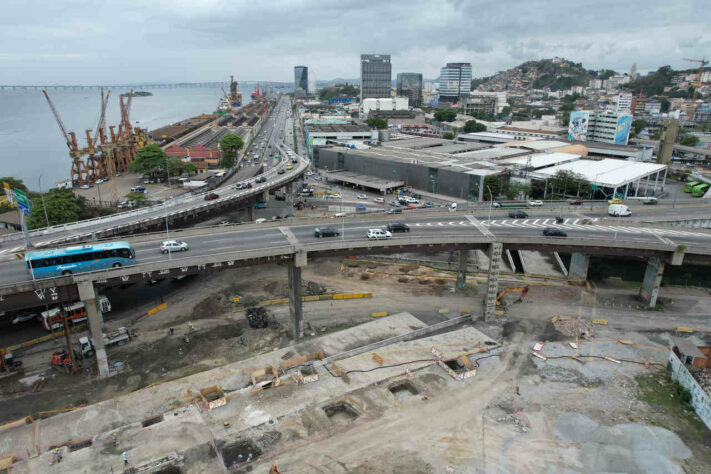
(137, 86)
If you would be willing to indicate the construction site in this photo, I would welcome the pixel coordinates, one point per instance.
(397, 372)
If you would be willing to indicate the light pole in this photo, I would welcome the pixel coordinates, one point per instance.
(39, 185)
(343, 218)
(167, 232)
(491, 196)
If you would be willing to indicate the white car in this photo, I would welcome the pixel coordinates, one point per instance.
(99, 181)
(378, 234)
(24, 317)
(261, 220)
(535, 203)
(84, 186)
(173, 246)
(361, 196)
(335, 196)
(340, 214)
(379, 200)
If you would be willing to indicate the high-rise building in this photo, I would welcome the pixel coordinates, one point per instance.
(633, 72)
(409, 84)
(623, 102)
(600, 126)
(375, 76)
(455, 81)
(301, 80)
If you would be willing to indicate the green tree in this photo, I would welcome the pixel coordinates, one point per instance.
(482, 115)
(448, 135)
(665, 104)
(177, 167)
(229, 145)
(445, 115)
(516, 189)
(150, 159)
(136, 196)
(492, 187)
(63, 206)
(567, 183)
(14, 183)
(227, 162)
(689, 140)
(639, 125)
(190, 168)
(380, 124)
(472, 126)
(567, 107)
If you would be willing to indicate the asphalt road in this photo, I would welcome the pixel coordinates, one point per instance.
(446, 224)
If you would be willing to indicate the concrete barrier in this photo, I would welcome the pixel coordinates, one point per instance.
(160, 307)
(379, 314)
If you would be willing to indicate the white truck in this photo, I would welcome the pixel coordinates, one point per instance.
(617, 210)
(118, 337)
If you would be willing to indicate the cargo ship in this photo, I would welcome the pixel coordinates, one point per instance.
(233, 101)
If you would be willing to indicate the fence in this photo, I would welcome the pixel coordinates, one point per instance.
(699, 398)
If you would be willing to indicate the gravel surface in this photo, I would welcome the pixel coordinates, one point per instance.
(622, 448)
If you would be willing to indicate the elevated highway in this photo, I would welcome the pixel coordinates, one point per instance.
(294, 243)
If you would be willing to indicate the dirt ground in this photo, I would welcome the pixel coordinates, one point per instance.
(513, 419)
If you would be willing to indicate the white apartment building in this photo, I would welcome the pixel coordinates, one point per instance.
(623, 102)
(392, 103)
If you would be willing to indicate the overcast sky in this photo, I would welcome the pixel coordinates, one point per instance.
(108, 41)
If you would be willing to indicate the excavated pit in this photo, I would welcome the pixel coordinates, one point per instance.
(85, 443)
(456, 365)
(341, 412)
(403, 390)
(238, 453)
(152, 421)
(169, 470)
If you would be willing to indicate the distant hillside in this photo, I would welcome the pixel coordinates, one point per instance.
(556, 74)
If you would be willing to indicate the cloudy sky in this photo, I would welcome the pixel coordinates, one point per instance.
(108, 41)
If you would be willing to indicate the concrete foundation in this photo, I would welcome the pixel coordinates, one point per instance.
(495, 250)
(462, 269)
(652, 280)
(88, 295)
(250, 212)
(579, 264)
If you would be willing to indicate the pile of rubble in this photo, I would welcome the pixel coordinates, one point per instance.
(703, 376)
(575, 328)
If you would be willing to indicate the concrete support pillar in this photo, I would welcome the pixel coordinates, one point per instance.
(295, 303)
(462, 269)
(494, 254)
(652, 280)
(96, 322)
(250, 212)
(579, 264)
(265, 195)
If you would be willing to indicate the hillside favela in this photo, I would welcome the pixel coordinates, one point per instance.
(355, 237)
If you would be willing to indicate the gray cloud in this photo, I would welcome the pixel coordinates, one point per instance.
(78, 41)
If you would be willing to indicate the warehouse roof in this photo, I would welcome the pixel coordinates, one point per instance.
(541, 160)
(608, 172)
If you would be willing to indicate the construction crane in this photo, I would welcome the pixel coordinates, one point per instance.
(702, 62)
(79, 172)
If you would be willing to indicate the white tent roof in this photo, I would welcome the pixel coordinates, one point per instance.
(541, 160)
(610, 173)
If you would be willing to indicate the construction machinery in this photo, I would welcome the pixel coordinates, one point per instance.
(8, 362)
(513, 289)
(61, 359)
(235, 95)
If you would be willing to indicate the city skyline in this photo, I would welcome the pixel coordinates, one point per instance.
(182, 40)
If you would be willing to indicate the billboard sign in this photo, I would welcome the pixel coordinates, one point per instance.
(9, 193)
(578, 126)
(22, 202)
(343, 100)
(622, 133)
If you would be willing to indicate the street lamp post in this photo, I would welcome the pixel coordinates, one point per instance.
(39, 185)
(491, 196)
(343, 218)
(167, 232)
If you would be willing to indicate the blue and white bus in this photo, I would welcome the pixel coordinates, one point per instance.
(84, 258)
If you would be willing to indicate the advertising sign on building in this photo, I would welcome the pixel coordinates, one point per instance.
(9, 193)
(622, 134)
(578, 126)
